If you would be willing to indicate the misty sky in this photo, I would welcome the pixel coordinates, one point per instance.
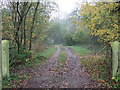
(67, 6)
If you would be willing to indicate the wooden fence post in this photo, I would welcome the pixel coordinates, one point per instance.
(115, 58)
(0, 64)
(5, 58)
(0, 50)
(118, 53)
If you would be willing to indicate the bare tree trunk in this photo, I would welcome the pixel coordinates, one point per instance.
(25, 25)
(33, 22)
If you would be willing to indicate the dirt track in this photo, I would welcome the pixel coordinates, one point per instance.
(55, 75)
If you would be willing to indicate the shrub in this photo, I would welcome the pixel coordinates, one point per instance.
(19, 58)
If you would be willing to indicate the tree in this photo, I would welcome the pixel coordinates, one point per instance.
(23, 22)
(102, 20)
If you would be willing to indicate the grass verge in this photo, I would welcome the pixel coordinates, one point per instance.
(47, 53)
(80, 50)
(39, 58)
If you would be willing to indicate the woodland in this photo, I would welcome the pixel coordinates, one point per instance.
(36, 39)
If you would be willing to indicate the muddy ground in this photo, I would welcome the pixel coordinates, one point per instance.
(53, 74)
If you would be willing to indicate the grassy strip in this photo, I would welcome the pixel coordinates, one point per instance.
(47, 53)
(79, 50)
(62, 57)
(61, 60)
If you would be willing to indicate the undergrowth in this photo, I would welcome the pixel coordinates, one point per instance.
(13, 80)
(100, 69)
(38, 58)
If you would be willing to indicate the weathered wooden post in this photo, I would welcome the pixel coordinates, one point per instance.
(0, 64)
(0, 50)
(119, 59)
(115, 58)
(5, 58)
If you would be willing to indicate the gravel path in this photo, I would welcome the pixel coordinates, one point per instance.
(55, 75)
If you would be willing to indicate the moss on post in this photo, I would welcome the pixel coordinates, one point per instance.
(5, 58)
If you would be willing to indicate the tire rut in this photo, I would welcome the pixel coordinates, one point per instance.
(72, 74)
(76, 76)
(43, 76)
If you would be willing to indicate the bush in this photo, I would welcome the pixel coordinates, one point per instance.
(23, 55)
(17, 59)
